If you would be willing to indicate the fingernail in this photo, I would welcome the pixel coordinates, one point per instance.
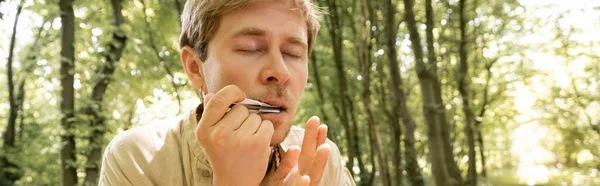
(316, 117)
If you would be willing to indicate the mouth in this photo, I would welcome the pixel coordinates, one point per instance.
(277, 104)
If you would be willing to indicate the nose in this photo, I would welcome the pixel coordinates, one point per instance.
(275, 70)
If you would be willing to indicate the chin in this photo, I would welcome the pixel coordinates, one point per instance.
(281, 132)
(281, 124)
(278, 137)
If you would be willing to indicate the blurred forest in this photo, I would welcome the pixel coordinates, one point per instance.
(427, 92)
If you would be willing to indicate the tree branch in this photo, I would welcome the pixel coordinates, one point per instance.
(160, 58)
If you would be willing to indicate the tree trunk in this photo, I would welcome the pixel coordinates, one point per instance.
(479, 120)
(397, 91)
(429, 32)
(9, 172)
(334, 30)
(445, 130)
(365, 64)
(29, 66)
(444, 126)
(383, 95)
(372, 145)
(463, 89)
(400, 107)
(67, 101)
(364, 174)
(349, 109)
(392, 121)
(9, 134)
(320, 94)
(433, 108)
(318, 86)
(20, 102)
(102, 80)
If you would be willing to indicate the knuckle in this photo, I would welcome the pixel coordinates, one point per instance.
(201, 135)
(254, 118)
(243, 110)
(217, 99)
(219, 142)
(267, 122)
(239, 111)
(240, 143)
(254, 144)
(219, 138)
(229, 87)
(234, 90)
(268, 126)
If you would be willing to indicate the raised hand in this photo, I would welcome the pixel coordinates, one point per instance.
(303, 166)
(236, 143)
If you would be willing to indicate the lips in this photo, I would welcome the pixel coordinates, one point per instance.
(277, 103)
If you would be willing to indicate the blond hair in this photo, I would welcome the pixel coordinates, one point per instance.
(200, 20)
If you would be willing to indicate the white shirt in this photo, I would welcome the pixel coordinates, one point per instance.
(169, 154)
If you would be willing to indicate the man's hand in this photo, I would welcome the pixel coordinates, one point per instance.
(236, 143)
(303, 167)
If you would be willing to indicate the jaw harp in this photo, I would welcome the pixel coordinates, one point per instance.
(255, 106)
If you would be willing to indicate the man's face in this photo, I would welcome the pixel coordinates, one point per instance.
(263, 50)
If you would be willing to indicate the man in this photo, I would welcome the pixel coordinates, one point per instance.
(233, 50)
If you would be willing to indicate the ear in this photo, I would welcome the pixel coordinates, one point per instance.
(193, 68)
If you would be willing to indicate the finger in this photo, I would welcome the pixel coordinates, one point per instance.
(309, 144)
(292, 178)
(207, 98)
(234, 118)
(303, 181)
(322, 134)
(289, 161)
(219, 103)
(318, 164)
(250, 125)
(265, 130)
(201, 129)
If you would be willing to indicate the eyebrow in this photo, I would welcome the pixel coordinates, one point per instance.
(250, 31)
(298, 41)
(253, 31)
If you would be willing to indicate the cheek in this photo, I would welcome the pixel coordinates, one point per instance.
(241, 75)
(214, 75)
(299, 76)
(226, 69)
(212, 81)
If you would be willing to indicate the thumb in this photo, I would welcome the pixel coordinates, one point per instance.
(288, 162)
(207, 98)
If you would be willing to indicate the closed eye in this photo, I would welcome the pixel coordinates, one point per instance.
(294, 56)
(248, 51)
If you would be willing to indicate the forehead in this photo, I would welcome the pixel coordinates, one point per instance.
(266, 18)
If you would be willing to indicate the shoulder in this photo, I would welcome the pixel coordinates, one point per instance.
(130, 154)
(142, 137)
(140, 143)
